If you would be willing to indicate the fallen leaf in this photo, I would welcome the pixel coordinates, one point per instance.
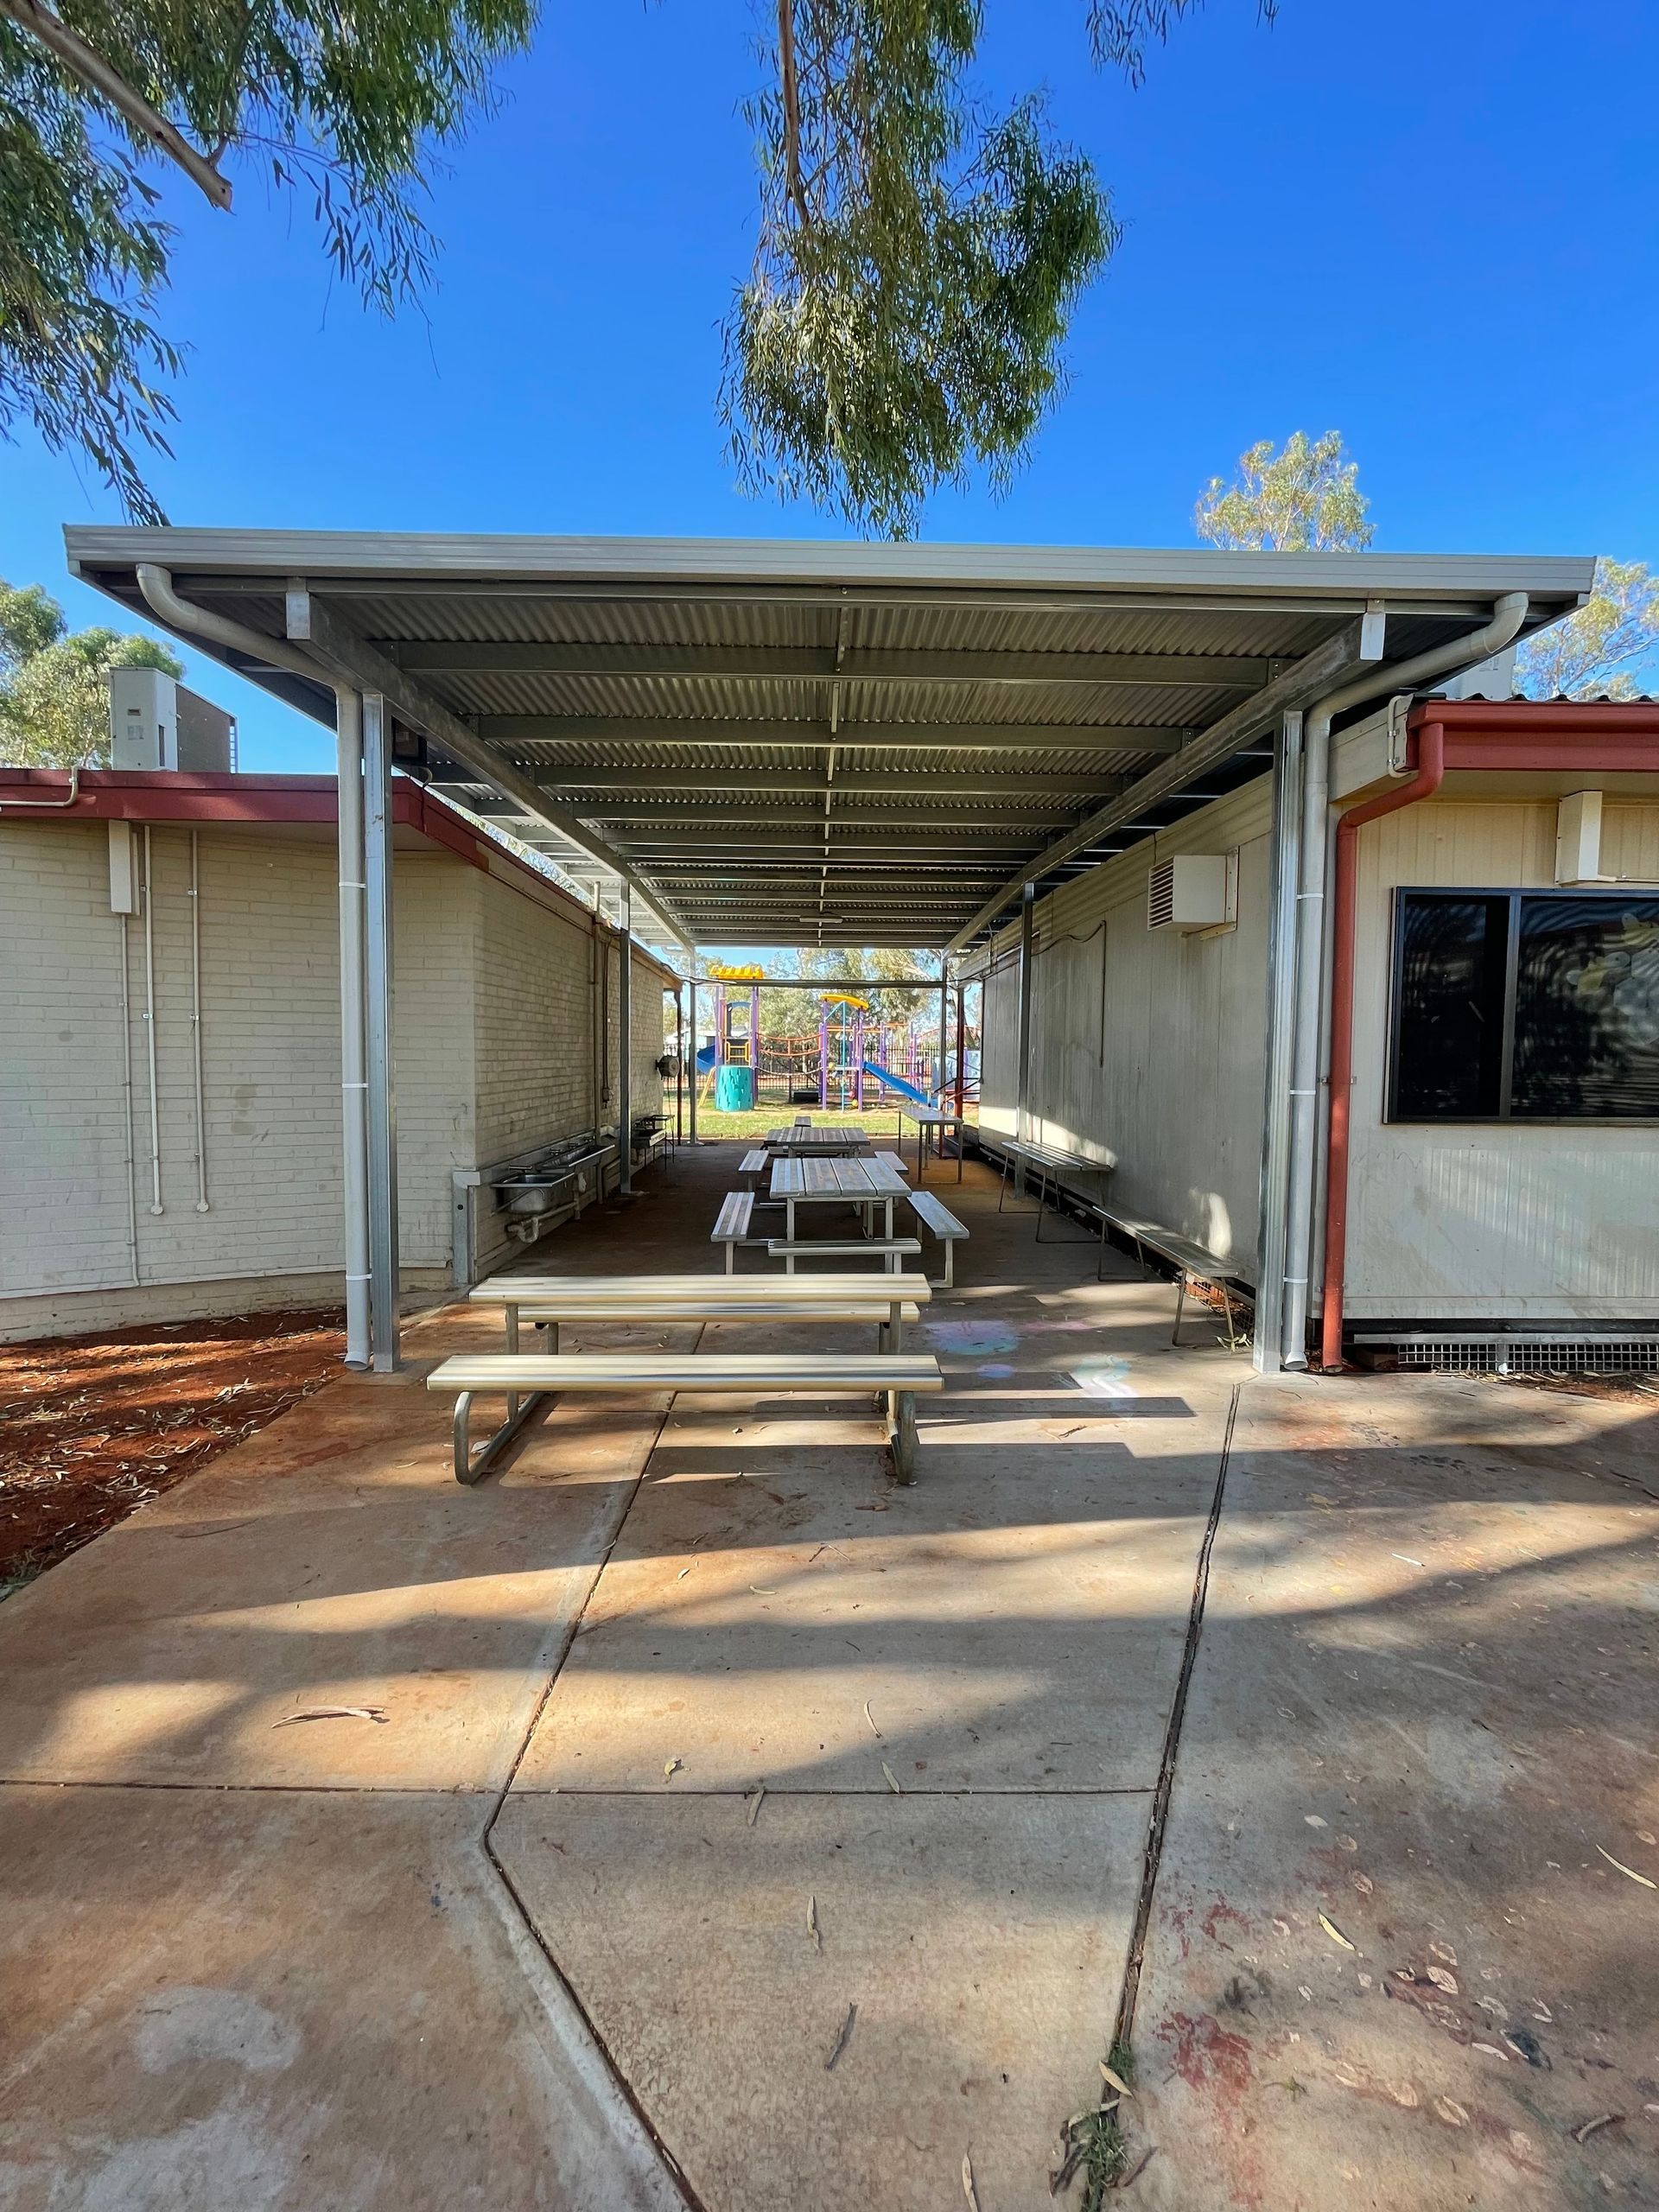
(1630, 1871)
(1451, 2112)
(753, 1802)
(1347, 1843)
(1364, 1885)
(1336, 1934)
(681, 1576)
(870, 1717)
(892, 1779)
(1314, 1821)
(672, 1768)
(1586, 2128)
(842, 2040)
(333, 1712)
(1444, 1953)
(967, 2188)
(1491, 2050)
(761, 1593)
(1406, 1558)
(812, 1928)
(1442, 1979)
(1115, 2080)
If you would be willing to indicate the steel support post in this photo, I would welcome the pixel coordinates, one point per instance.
(378, 1032)
(625, 1046)
(944, 1036)
(1285, 873)
(354, 1093)
(691, 1103)
(1022, 1092)
(679, 1057)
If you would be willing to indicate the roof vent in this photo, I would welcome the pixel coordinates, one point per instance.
(1192, 891)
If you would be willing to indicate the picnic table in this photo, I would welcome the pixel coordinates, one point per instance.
(817, 1181)
(934, 1119)
(803, 1138)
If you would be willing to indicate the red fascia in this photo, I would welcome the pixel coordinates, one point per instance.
(1584, 738)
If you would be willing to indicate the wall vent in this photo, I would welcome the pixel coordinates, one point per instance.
(1193, 891)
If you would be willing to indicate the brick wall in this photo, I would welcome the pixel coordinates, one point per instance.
(494, 1054)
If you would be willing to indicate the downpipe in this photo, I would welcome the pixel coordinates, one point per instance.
(156, 1205)
(1508, 616)
(190, 620)
(195, 1019)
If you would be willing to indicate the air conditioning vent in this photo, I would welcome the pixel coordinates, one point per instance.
(1193, 891)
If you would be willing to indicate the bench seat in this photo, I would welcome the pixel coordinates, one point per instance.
(831, 1248)
(525, 1379)
(944, 1226)
(732, 1224)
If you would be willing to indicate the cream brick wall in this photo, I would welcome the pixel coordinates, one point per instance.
(493, 1036)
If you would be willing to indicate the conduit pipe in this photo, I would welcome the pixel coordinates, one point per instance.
(126, 1096)
(195, 1018)
(183, 616)
(1508, 614)
(156, 1205)
(1431, 767)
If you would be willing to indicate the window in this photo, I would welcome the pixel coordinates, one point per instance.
(1525, 1006)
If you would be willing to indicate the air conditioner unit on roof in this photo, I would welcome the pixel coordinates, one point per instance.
(1193, 891)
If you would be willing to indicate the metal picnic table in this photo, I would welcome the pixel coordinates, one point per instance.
(935, 1118)
(817, 1181)
(825, 1142)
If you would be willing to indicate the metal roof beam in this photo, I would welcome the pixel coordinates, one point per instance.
(578, 784)
(870, 664)
(664, 815)
(1308, 679)
(716, 841)
(339, 648)
(887, 737)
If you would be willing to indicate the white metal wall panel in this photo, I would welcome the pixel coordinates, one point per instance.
(1512, 1222)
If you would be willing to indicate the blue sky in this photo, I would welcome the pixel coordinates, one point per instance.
(1428, 225)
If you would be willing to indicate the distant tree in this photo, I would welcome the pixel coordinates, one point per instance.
(55, 683)
(1598, 652)
(1304, 498)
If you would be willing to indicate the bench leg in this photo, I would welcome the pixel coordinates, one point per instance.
(1181, 1301)
(550, 1335)
(520, 1412)
(901, 1435)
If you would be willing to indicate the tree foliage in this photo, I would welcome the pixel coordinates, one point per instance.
(917, 264)
(1121, 30)
(54, 681)
(1304, 498)
(1601, 650)
(341, 102)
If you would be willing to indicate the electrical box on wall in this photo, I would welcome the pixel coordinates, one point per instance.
(124, 868)
(1578, 839)
(1193, 892)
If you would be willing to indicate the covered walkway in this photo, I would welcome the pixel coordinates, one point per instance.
(690, 1733)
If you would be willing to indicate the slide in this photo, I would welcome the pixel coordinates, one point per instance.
(897, 1083)
(705, 1059)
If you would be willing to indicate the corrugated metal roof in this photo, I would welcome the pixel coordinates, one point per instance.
(665, 663)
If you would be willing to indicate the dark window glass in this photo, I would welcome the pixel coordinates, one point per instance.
(1586, 1009)
(1448, 1036)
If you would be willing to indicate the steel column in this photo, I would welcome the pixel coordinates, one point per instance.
(1267, 1350)
(1022, 1112)
(625, 1046)
(691, 1103)
(945, 1036)
(679, 1055)
(354, 1093)
(382, 1093)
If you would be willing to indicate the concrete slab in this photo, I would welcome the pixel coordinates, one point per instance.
(332, 1560)
(981, 1940)
(266, 2001)
(1422, 1708)
(1015, 1620)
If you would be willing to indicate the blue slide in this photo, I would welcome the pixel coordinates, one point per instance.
(897, 1083)
(705, 1059)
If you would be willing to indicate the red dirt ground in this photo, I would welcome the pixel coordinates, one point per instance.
(95, 1426)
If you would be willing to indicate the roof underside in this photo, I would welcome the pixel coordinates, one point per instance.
(819, 744)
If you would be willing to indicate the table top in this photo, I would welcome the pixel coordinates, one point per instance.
(819, 1140)
(725, 1290)
(810, 1178)
(949, 1114)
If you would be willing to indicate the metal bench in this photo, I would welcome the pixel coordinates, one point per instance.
(752, 1165)
(732, 1226)
(528, 1379)
(1188, 1257)
(944, 1226)
(1053, 1166)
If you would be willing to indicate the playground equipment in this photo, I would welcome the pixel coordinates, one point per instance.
(733, 1058)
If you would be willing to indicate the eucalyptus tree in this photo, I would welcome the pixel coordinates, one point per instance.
(1304, 497)
(919, 253)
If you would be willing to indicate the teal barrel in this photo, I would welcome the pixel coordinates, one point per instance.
(734, 1090)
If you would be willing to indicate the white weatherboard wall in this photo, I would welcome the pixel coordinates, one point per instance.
(1148, 1045)
(1514, 1220)
(494, 1054)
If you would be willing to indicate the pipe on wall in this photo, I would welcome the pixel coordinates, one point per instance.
(188, 620)
(156, 1205)
(625, 1047)
(195, 1020)
(1508, 614)
(1431, 767)
(126, 1098)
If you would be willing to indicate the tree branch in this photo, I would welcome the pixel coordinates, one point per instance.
(86, 63)
(791, 107)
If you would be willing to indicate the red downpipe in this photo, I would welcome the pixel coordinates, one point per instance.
(1431, 767)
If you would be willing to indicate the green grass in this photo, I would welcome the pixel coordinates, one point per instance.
(879, 1121)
